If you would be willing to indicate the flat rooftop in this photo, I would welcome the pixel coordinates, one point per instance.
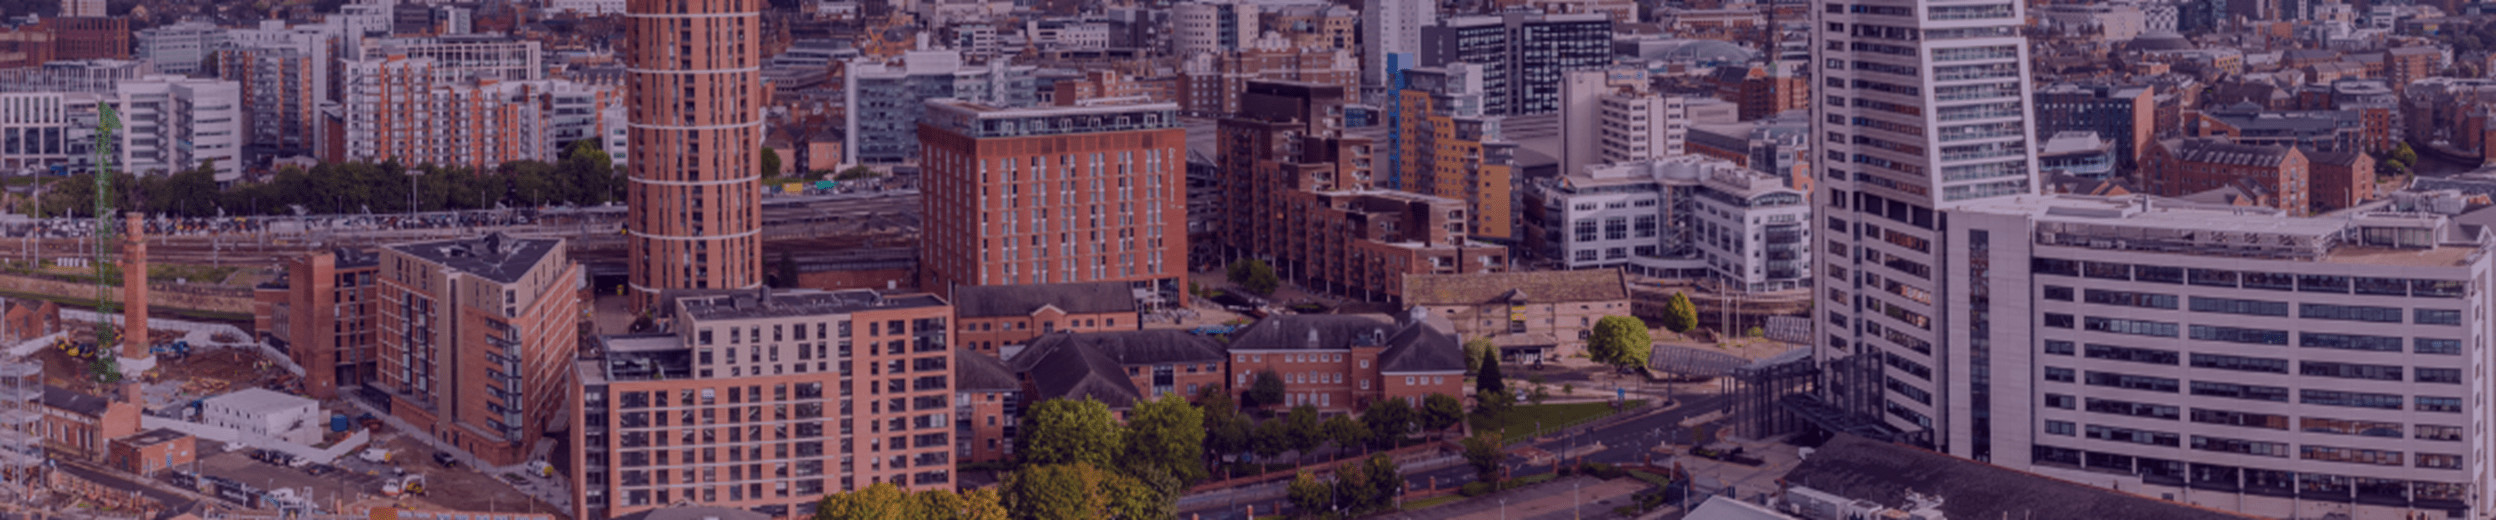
(2154, 224)
(779, 304)
(495, 256)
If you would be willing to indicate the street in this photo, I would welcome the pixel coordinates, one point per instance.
(1626, 442)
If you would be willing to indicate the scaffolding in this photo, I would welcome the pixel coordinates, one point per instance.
(21, 413)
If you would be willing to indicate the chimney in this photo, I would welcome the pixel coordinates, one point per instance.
(134, 342)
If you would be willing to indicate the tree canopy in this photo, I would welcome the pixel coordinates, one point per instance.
(1475, 349)
(1485, 453)
(1062, 431)
(1267, 390)
(1388, 419)
(584, 177)
(884, 501)
(1620, 341)
(1255, 276)
(1167, 434)
(1679, 314)
(1077, 492)
(1440, 411)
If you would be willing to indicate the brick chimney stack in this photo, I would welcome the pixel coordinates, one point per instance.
(134, 343)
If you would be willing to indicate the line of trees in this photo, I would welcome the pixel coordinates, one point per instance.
(584, 176)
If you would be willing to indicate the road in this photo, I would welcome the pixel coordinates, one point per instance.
(1626, 442)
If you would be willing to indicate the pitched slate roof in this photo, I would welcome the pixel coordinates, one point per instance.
(72, 401)
(992, 301)
(2215, 151)
(1855, 467)
(976, 371)
(1093, 364)
(1312, 331)
(1428, 346)
(1533, 286)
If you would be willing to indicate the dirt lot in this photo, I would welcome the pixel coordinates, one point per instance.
(205, 373)
(454, 488)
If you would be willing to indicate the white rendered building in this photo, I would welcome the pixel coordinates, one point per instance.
(1685, 216)
(1392, 27)
(1924, 107)
(261, 412)
(1213, 27)
(174, 123)
(2234, 358)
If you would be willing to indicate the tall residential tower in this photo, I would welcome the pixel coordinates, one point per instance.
(1925, 107)
(694, 86)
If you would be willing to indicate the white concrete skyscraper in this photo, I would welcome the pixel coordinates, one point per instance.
(1392, 27)
(1924, 106)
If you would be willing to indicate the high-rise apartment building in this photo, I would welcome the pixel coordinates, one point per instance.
(1391, 36)
(694, 89)
(477, 339)
(1522, 54)
(887, 100)
(1026, 196)
(1925, 107)
(1214, 26)
(1608, 118)
(1447, 147)
(175, 123)
(322, 315)
(82, 8)
(465, 56)
(2233, 358)
(407, 109)
(765, 401)
(283, 90)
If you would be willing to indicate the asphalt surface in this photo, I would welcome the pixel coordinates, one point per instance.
(1626, 442)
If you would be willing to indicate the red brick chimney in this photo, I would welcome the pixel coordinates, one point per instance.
(134, 342)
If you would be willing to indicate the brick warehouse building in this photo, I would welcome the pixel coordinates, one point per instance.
(765, 401)
(1341, 363)
(1023, 196)
(477, 337)
(321, 315)
(2179, 167)
(694, 91)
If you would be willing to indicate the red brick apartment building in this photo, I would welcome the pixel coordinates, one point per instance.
(1342, 363)
(694, 89)
(997, 317)
(2179, 167)
(765, 401)
(988, 404)
(1028, 196)
(477, 339)
(321, 315)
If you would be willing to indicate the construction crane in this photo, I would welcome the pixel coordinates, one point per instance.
(106, 123)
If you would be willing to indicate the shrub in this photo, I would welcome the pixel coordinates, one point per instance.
(1474, 489)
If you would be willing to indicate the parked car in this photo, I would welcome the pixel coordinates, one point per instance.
(445, 458)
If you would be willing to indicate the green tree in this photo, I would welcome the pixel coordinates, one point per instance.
(1388, 420)
(1071, 492)
(1620, 341)
(770, 163)
(1303, 429)
(1270, 439)
(1346, 432)
(1485, 453)
(1266, 391)
(1255, 276)
(1489, 378)
(1314, 499)
(1063, 431)
(1440, 411)
(1679, 314)
(876, 502)
(1476, 350)
(2404, 155)
(1491, 405)
(1370, 484)
(1166, 434)
(1226, 430)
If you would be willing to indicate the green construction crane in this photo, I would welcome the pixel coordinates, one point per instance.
(106, 123)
